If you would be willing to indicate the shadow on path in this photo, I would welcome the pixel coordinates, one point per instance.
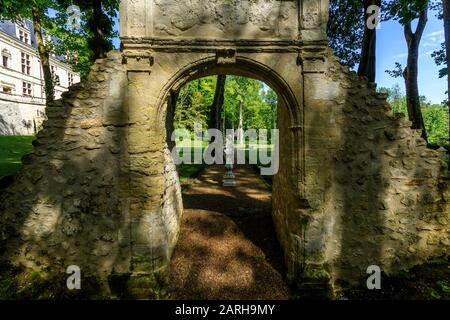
(227, 247)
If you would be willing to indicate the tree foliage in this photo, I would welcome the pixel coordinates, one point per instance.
(435, 115)
(259, 103)
(441, 60)
(80, 46)
(345, 30)
(407, 11)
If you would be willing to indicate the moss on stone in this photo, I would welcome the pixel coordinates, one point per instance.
(139, 285)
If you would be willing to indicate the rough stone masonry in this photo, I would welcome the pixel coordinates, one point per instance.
(356, 186)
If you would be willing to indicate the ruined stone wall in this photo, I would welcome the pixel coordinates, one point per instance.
(356, 186)
(84, 194)
(376, 194)
(173, 204)
(68, 206)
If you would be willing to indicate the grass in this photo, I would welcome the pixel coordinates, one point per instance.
(187, 172)
(12, 149)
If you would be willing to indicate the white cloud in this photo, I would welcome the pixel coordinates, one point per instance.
(435, 33)
(428, 53)
(401, 55)
(433, 39)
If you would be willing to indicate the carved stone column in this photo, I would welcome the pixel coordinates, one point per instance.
(314, 20)
(146, 145)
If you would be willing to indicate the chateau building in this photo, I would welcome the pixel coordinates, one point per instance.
(22, 88)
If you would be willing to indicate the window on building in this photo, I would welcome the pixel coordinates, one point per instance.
(7, 90)
(24, 36)
(27, 89)
(70, 78)
(26, 64)
(5, 61)
(6, 58)
(55, 76)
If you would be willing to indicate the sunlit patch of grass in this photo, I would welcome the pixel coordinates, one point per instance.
(12, 149)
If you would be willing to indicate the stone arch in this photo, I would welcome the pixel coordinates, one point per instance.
(252, 68)
(165, 72)
(242, 67)
(289, 124)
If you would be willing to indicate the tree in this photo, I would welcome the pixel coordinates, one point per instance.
(367, 63)
(345, 30)
(99, 24)
(352, 33)
(217, 105)
(440, 57)
(14, 10)
(247, 103)
(37, 10)
(406, 11)
(95, 36)
(446, 11)
(435, 115)
(194, 102)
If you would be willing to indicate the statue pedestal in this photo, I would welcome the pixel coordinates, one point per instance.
(229, 177)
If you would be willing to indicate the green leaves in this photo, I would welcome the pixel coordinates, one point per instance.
(435, 116)
(345, 30)
(77, 44)
(397, 72)
(440, 59)
(259, 103)
(405, 11)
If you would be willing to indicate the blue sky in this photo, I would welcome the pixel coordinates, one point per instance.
(391, 48)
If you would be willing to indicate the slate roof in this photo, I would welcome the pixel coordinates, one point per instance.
(9, 27)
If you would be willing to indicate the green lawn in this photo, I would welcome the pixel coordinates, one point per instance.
(11, 151)
(13, 148)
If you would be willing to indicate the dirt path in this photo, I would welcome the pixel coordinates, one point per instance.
(227, 247)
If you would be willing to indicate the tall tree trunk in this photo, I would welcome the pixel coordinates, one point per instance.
(97, 29)
(170, 118)
(217, 105)
(411, 72)
(43, 54)
(367, 63)
(446, 5)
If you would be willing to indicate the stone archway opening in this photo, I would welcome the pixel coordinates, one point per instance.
(228, 246)
(356, 185)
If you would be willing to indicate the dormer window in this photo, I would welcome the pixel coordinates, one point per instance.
(24, 36)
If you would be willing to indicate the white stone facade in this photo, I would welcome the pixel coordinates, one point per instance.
(22, 94)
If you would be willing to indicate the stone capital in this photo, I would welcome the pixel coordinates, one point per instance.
(313, 61)
(138, 61)
(226, 56)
